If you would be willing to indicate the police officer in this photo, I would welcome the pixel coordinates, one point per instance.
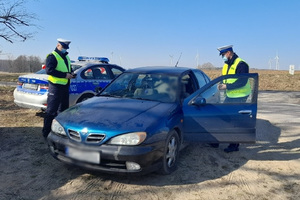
(58, 67)
(237, 90)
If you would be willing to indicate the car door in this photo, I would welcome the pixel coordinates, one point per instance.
(95, 77)
(210, 117)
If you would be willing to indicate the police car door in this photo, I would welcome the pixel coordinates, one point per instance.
(209, 117)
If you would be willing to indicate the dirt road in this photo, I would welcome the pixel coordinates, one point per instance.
(269, 169)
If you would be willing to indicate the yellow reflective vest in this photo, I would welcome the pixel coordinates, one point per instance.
(238, 92)
(62, 67)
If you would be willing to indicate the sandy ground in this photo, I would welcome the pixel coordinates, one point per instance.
(269, 169)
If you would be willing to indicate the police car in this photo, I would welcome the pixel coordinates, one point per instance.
(93, 74)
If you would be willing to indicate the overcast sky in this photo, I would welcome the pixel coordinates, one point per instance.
(136, 33)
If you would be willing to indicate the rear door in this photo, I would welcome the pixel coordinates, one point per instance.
(93, 77)
(210, 117)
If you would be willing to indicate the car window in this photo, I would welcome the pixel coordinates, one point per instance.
(154, 87)
(207, 79)
(116, 72)
(95, 72)
(188, 86)
(42, 71)
(200, 78)
(239, 90)
(75, 67)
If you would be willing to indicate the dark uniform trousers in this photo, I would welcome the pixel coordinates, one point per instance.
(58, 101)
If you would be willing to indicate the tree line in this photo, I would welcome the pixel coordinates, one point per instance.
(21, 64)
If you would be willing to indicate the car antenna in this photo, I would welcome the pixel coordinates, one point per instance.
(178, 59)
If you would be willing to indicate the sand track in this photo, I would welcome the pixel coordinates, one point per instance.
(269, 169)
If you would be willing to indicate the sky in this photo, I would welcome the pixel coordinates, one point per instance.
(135, 33)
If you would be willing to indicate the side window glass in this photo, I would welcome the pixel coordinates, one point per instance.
(207, 79)
(116, 72)
(188, 86)
(237, 90)
(200, 78)
(87, 74)
(98, 72)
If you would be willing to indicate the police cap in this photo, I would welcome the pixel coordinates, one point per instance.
(224, 49)
(64, 43)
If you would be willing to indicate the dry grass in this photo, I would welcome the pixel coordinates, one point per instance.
(270, 79)
(13, 116)
(9, 77)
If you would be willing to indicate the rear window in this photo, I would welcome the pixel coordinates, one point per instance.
(42, 71)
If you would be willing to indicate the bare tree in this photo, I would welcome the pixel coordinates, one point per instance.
(14, 19)
(207, 65)
(20, 64)
(34, 63)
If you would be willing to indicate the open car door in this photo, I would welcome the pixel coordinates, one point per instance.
(215, 116)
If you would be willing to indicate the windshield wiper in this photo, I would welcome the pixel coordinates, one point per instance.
(139, 98)
(107, 95)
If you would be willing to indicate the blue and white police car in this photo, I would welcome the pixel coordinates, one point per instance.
(93, 74)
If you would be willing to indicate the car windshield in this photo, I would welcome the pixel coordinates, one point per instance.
(42, 71)
(153, 87)
(75, 67)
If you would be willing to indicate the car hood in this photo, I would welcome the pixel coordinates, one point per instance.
(116, 115)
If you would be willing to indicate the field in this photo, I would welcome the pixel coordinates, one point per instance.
(266, 170)
(268, 79)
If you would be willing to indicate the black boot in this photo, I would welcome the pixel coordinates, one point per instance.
(232, 147)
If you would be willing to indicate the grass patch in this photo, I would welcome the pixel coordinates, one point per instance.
(9, 77)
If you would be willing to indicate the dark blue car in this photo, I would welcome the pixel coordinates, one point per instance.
(140, 120)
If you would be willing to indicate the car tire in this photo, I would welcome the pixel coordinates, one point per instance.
(84, 97)
(171, 153)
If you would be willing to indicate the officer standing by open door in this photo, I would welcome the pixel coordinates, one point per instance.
(58, 67)
(237, 90)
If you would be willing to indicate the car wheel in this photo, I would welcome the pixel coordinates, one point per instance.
(84, 97)
(171, 152)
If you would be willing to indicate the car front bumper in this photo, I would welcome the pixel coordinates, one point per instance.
(113, 158)
(29, 100)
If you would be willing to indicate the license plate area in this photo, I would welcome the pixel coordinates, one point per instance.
(30, 86)
(81, 155)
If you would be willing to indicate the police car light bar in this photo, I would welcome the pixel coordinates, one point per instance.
(100, 59)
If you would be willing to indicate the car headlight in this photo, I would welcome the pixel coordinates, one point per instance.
(57, 128)
(135, 138)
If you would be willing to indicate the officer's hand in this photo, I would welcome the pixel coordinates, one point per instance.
(222, 87)
(69, 76)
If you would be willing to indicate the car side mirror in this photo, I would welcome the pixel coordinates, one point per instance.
(199, 101)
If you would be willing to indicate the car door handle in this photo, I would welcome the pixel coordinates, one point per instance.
(245, 112)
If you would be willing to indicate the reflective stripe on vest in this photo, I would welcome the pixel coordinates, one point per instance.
(61, 66)
(238, 92)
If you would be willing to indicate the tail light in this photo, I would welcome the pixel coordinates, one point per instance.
(43, 87)
(20, 83)
(43, 66)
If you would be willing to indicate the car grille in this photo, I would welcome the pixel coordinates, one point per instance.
(74, 135)
(95, 138)
(91, 138)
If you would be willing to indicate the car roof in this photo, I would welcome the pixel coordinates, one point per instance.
(83, 63)
(91, 63)
(159, 70)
